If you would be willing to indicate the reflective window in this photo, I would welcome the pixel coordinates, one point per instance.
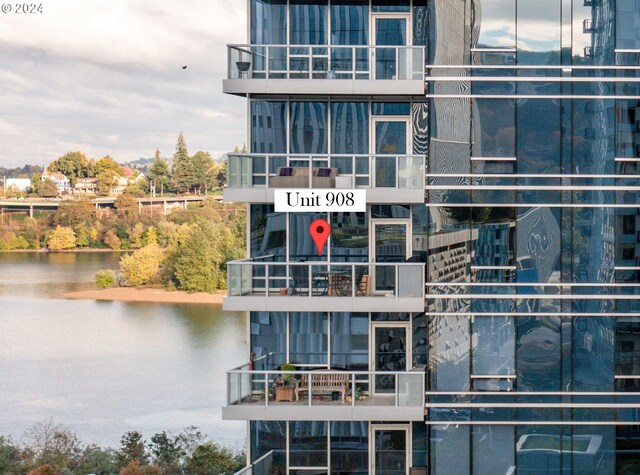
(267, 436)
(494, 346)
(307, 338)
(268, 232)
(268, 338)
(268, 127)
(308, 22)
(308, 444)
(349, 22)
(350, 128)
(268, 22)
(301, 246)
(349, 448)
(496, 20)
(350, 341)
(390, 5)
(493, 449)
(349, 237)
(628, 353)
(308, 127)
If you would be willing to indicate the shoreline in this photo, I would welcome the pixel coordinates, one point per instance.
(146, 294)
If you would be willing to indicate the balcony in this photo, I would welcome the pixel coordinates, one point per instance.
(325, 395)
(388, 179)
(320, 286)
(323, 69)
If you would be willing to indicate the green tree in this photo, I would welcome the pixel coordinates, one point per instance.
(183, 176)
(159, 173)
(132, 449)
(73, 165)
(143, 266)
(167, 452)
(211, 458)
(105, 278)
(35, 182)
(10, 456)
(198, 266)
(61, 238)
(98, 461)
(201, 168)
(47, 189)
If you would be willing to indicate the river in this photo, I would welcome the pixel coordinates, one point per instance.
(104, 368)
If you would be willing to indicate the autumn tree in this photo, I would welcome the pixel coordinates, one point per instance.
(73, 213)
(112, 240)
(132, 449)
(142, 266)
(61, 238)
(47, 189)
(108, 163)
(53, 444)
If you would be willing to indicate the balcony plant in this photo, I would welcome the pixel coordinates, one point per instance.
(359, 394)
(286, 379)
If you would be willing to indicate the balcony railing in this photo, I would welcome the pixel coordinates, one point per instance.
(320, 279)
(320, 388)
(262, 466)
(326, 62)
(400, 172)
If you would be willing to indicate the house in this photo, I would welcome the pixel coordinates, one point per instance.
(19, 184)
(62, 182)
(86, 186)
(121, 183)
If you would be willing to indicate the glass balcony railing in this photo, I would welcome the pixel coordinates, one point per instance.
(326, 62)
(263, 465)
(320, 279)
(400, 172)
(326, 388)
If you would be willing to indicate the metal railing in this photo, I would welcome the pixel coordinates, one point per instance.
(393, 388)
(326, 62)
(318, 279)
(352, 171)
(262, 466)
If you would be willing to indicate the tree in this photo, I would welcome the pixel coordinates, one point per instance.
(74, 213)
(132, 449)
(142, 266)
(159, 173)
(73, 165)
(35, 182)
(98, 461)
(108, 163)
(198, 265)
(105, 181)
(183, 178)
(167, 452)
(10, 456)
(201, 166)
(47, 188)
(46, 469)
(126, 205)
(112, 240)
(52, 444)
(211, 458)
(62, 237)
(135, 235)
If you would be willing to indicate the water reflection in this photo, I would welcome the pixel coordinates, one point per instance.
(103, 368)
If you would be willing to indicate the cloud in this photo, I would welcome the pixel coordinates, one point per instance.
(106, 77)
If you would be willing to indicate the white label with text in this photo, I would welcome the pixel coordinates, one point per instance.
(320, 200)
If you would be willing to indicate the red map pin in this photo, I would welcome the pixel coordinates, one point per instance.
(320, 231)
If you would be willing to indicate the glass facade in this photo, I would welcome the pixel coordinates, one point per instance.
(529, 235)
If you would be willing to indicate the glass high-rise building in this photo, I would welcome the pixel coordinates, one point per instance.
(482, 315)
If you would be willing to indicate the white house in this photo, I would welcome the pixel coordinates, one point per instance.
(20, 184)
(62, 182)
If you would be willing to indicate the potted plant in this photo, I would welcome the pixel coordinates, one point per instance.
(359, 394)
(284, 384)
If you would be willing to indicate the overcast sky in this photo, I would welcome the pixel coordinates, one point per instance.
(106, 77)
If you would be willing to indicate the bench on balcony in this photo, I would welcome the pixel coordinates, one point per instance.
(323, 384)
(298, 177)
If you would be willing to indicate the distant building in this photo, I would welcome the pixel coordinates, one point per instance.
(121, 183)
(62, 182)
(20, 184)
(86, 186)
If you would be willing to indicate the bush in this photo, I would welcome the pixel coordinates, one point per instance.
(105, 278)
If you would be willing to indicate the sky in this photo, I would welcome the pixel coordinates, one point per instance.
(105, 77)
